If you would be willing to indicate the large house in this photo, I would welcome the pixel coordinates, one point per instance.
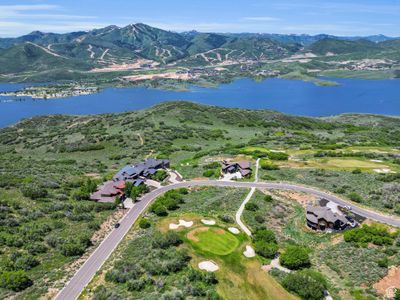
(144, 169)
(322, 218)
(135, 174)
(108, 191)
(243, 167)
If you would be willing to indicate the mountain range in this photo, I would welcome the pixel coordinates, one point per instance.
(113, 45)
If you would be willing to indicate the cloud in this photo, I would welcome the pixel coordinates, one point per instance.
(210, 26)
(339, 7)
(12, 29)
(12, 11)
(21, 19)
(261, 19)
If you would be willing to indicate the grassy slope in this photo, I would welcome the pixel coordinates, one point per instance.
(347, 267)
(239, 277)
(62, 149)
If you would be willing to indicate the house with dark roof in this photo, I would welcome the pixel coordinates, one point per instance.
(322, 218)
(108, 191)
(243, 167)
(134, 174)
(144, 169)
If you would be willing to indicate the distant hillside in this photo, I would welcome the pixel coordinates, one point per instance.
(306, 39)
(343, 47)
(32, 57)
(114, 45)
(39, 56)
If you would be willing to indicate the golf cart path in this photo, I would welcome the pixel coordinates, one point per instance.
(239, 213)
(84, 275)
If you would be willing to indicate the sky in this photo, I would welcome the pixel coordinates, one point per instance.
(337, 17)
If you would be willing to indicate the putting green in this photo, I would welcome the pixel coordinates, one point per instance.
(214, 240)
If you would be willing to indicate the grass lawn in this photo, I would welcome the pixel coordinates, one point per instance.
(213, 240)
(343, 163)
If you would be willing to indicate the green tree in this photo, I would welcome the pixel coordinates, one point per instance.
(397, 294)
(308, 284)
(15, 280)
(265, 235)
(144, 223)
(267, 250)
(355, 197)
(268, 198)
(295, 257)
(251, 207)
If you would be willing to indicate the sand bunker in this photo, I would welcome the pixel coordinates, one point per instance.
(249, 252)
(208, 266)
(208, 222)
(234, 230)
(376, 160)
(181, 223)
(383, 170)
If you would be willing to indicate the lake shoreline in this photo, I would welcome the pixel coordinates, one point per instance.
(297, 97)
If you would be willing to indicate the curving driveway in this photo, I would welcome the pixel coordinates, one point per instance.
(84, 275)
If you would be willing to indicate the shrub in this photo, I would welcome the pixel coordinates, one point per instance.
(268, 165)
(24, 262)
(259, 218)
(264, 235)
(308, 284)
(160, 175)
(268, 198)
(159, 210)
(101, 293)
(295, 257)
(83, 193)
(144, 223)
(397, 294)
(267, 250)
(36, 248)
(213, 165)
(137, 191)
(278, 156)
(355, 197)
(34, 191)
(211, 173)
(265, 243)
(15, 280)
(251, 207)
(356, 171)
(72, 248)
(226, 219)
(376, 234)
(384, 262)
(167, 240)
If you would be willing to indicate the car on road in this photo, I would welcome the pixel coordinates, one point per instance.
(117, 225)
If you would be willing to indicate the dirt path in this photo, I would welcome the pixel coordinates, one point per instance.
(47, 50)
(104, 54)
(89, 49)
(140, 138)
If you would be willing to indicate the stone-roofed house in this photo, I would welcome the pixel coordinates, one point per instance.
(145, 169)
(243, 167)
(321, 218)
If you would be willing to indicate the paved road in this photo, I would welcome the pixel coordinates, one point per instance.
(81, 278)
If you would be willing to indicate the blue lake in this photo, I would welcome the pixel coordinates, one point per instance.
(288, 96)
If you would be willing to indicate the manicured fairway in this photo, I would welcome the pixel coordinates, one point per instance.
(214, 240)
